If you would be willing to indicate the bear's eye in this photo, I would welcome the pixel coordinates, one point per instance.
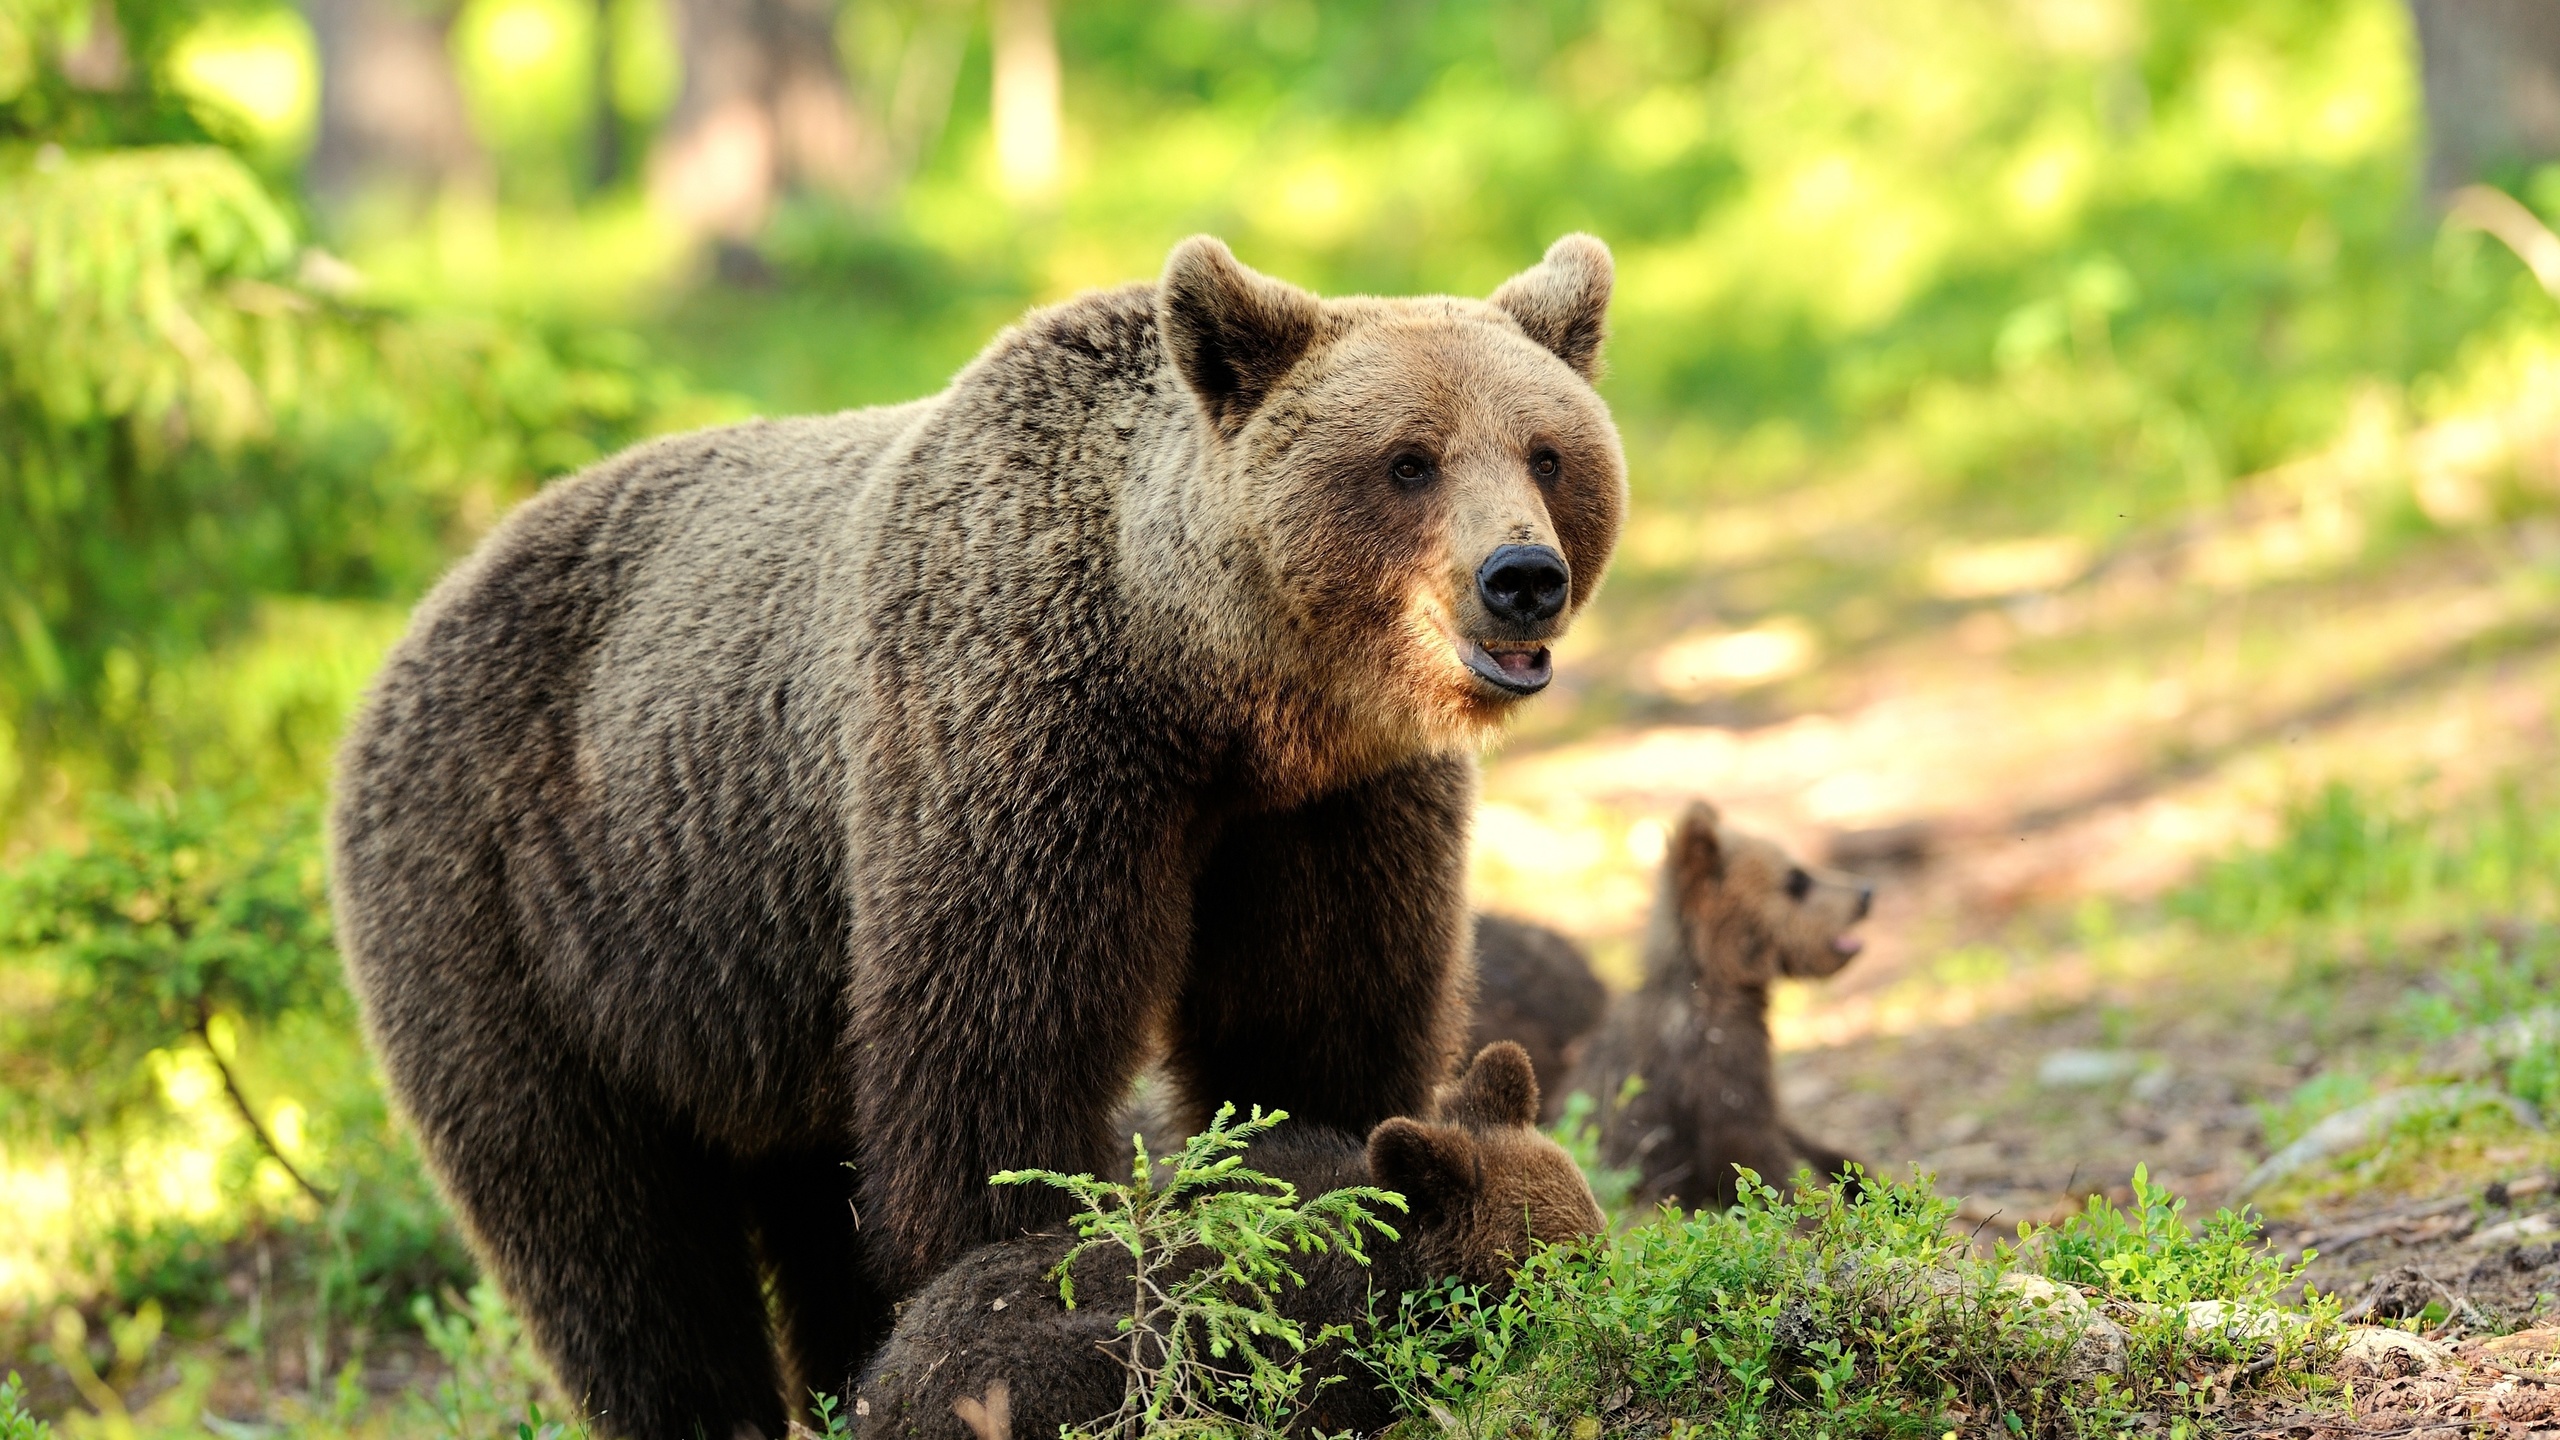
(1799, 884)
(1409, 469)
(1546, 464)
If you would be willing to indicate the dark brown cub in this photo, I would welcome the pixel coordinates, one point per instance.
(1484, 1187)
(1534, 987)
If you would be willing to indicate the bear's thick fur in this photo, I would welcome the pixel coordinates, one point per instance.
(1731, 914)
(886, 787)
(1535, 988)
(1483, 1185)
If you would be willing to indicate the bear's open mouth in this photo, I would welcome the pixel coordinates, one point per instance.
(1847, 945)
(1515, 668)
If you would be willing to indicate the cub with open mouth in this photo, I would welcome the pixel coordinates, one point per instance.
(1732, 914)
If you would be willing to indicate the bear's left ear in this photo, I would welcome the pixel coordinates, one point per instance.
(1500, 1088)
(1232, 333)
(1432, 1166)
(1563, 301)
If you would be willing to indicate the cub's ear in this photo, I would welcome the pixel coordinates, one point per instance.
(1432, 1166)
(1232, 333)
(1697, 856)
(1563, 301)
(1500, 1088)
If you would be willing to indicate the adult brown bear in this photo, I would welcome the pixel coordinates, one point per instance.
(888, 786)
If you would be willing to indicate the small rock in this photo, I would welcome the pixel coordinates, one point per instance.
(2075, 1069)
(2240, 1322)
(2361, 1125)
(2516, 1232)
(2059, 1311)
(2379, 1350)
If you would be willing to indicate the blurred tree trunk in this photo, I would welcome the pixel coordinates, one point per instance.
(1027, 118)
(765, 105)
(391, 109)
(608, 116)
(2492, 75)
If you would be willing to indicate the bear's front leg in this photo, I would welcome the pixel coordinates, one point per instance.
(1013, 962)
(1329, 966)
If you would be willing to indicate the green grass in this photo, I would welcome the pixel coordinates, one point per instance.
(2456, 907)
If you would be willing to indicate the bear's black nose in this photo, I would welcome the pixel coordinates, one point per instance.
(1866, 901)
(1524, 584)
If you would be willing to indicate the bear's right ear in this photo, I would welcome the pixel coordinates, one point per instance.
(1562, 302)
(1432, 1166)
(1232, 333)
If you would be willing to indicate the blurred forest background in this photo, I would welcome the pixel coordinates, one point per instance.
(2041, 413)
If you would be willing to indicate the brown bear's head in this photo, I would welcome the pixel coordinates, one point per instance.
(1411, 498)
(1483, 1185)
(1747, 913)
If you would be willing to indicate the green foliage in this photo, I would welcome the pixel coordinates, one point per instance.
(1844, 1312)
(2147, 1253)
(16, 1422)
(1577, 1129)
(2343, 860)
(195, 414)
(185, 947)
(1209, 1251)
(116, 91)
(2078, 276)
(491, 1375)
(175, 924)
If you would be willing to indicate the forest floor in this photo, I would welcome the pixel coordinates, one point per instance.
(2028, 775)
(2031, 748)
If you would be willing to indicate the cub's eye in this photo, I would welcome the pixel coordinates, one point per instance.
(1546, 465)
(1409, 469)
(1799, 884)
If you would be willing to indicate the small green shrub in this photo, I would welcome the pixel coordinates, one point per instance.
(177, 923)
(1209, 1251)
(186, 944)
(1849, 1311)
(491, 1374)
(2146, 1252)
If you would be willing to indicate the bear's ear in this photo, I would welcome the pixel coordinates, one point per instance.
(1232, 333)
(1432, 1166)
(1563, 301)
(1500, 1088)
(1697, 855)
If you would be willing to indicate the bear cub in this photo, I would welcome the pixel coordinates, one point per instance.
(990, 1335)
(1731, 913)
(1534, 987)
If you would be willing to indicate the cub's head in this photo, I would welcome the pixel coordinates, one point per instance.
(1415, 496)
(1747, 913)
(1483, 1185)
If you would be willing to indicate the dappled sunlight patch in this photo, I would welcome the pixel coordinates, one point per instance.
(1587, 868)
(1955, 989)
(1710, 661)
(2008, 567)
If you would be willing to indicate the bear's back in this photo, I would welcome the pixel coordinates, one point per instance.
(616, 712)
